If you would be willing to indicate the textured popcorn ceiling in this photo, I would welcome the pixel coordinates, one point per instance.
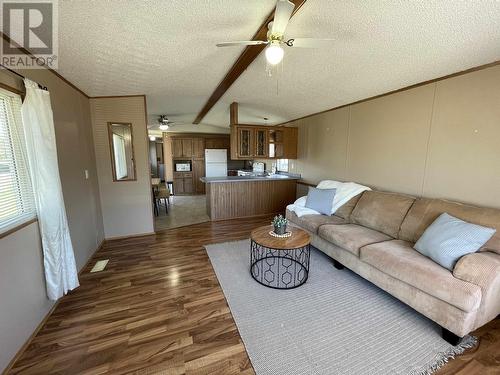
(166, 49)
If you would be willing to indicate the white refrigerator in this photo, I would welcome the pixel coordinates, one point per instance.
(215, 163)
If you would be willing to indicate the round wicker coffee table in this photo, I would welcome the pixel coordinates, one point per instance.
(280, 263)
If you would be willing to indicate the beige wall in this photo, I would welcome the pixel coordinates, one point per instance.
(126, 205)
(22, 285)
(438, 140)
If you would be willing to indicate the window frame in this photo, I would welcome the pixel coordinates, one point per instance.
(25, 188)
(278, 164)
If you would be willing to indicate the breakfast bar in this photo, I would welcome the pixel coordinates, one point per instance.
(231, 197)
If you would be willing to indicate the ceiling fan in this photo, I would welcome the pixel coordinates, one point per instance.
(164, 122)
(275, 35)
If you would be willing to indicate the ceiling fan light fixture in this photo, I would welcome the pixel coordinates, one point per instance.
(274, 53)
(164, 127)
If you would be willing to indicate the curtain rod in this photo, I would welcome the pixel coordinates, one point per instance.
(23, 77)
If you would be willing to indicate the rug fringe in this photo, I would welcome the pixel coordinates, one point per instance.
(443, 358)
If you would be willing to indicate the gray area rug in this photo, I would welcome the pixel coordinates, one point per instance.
(336, 323)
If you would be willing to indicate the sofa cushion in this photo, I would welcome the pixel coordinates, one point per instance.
(398, 259)
(382, 211)
(313, 222)
(424, 211)
(345, 210)
(351, 236)
(448, 239)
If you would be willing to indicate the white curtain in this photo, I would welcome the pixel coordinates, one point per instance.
(58, 257)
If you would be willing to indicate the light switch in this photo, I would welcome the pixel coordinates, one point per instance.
(86, 174)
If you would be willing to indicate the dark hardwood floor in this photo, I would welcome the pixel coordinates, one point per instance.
(158, 309)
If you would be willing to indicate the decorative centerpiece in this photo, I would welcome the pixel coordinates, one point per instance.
(279, 223)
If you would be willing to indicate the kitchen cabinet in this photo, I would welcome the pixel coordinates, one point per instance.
(187, 148)
(182, 147)
(177, 148)
(198, 172)
(261, 142)
(183, 183)
(245, 148)
(191, 148)
(268, 142)
(217, 143)
(198, 148)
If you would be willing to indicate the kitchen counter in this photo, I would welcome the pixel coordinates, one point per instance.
(231, 197)
(209, 180)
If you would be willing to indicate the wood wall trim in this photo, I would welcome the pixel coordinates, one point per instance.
(248, 55)
(195, 135)
(28, 53)
(12, 89)
(131, 236)
(148, 167)
(456, 74)
(18, 227)
(118, 96)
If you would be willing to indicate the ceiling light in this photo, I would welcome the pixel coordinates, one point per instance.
(163, 127)
(274, 53)
(152, 138)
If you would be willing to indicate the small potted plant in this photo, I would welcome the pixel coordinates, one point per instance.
(279, 223)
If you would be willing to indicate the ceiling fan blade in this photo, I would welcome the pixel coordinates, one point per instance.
(242, 43)
(309, 42)
(282, 14)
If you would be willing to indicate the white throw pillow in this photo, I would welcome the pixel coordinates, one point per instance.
(329, 184)
(301, 202)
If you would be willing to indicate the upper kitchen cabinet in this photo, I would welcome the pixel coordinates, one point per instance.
(198, 148)
(268, 142)
(245, 148)
(182, 147)
(217, 143)
(261, 141)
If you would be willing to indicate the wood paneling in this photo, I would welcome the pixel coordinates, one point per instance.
(248, 55)
(239, 199)
(158, 308)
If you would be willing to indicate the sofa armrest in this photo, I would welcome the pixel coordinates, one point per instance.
(483, 270)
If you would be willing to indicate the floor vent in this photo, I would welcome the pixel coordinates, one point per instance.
(100, 265)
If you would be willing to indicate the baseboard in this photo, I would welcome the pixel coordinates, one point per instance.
(130, 236)
(45, 318)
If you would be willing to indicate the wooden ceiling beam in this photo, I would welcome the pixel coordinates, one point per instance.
(248, 55)
(233, 114)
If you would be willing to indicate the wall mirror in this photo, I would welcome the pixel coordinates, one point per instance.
(122, 151)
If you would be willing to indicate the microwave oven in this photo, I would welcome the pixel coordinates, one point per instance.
(183, 167)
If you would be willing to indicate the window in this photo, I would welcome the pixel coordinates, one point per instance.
(282, 165)
(120, 159)
(16, 195)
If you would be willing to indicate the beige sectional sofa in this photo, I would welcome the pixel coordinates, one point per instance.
(373, 235)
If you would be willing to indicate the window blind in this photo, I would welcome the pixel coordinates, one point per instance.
(17, 203)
